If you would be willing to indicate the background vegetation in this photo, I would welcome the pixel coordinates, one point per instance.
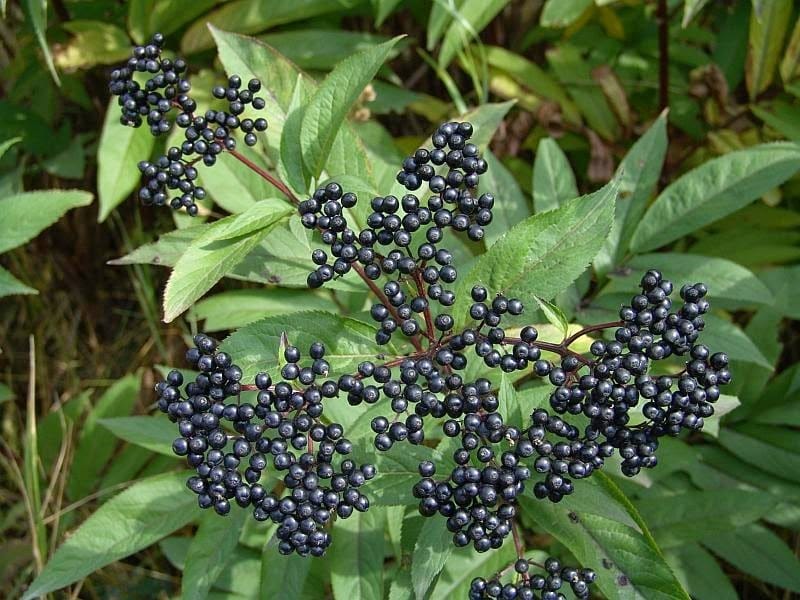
(568, 87)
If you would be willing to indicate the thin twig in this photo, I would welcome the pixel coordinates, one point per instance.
(266, 175)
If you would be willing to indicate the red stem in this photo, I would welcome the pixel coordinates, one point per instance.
(266, 175)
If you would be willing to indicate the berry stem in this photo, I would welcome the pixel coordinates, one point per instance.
(427, 312)
(282, 187)
(586, 330)
(385, 301)
(519, 545)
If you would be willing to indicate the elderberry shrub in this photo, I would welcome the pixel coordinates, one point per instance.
(170, 178)
(401, 256)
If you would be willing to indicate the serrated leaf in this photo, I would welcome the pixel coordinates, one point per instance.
(121, 148)
(714, 190)
(765, 42)
(10, 285)
(347, 341)
(545, 253)
(628, 563)
(27, 214)
(138, 517)
(210, 551)
(318, 49)
(329, 105)
(553, 179)
(357, 566)
(397, 470)
(433, 548)
(563, 13)
(154, 433)
(216, 252)
(554, 315)
(638, 173)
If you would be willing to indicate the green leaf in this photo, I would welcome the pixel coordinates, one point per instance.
(553, 179)
(253, 16)
(347, 341)
(330, 104)
(433, 548)
(322, 49)
(757, 551)
(513, 206)
(6, 145)
(467, 23)
(222, 246)
(534, 78)
(463, 566)
(726, 280)
(234, 186)
(138, 517)
(638, 174)
(692, 515)
(357, 557)
(236, 308)
(154, 433)
(702, 576)
(714, 190)
(95, 446)
(758, 445)
(691, 8)
(724, 405)
(10, 285)
(93, 43)
(6, 394)
(291, 165)
(791, 59)
(554, 315)
(724, 336)
(440, 17)
(628, 562)
(121, 148)
(398, 468)
(210, 551)
(25, 215)
(146, 17)
(563, 13)
(545, 253)
(283, 576)
(36, 15)
(765, 43)
(575, 74)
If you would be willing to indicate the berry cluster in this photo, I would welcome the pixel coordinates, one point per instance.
(166, 87)
(170, 178)
(535, 587)
(418, 270)
(400, 256)
(282, 429)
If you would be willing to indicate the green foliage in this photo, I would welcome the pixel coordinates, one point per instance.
(594, 184)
